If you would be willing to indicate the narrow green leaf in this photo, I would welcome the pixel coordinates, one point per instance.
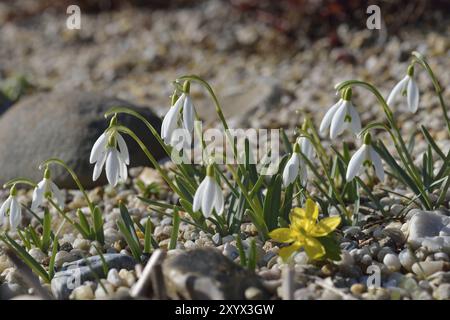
(148, 236)
(134, 246)
(98, 225)
(175, 227)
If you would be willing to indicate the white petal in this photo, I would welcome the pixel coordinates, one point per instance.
(208, 197)
(219, 200)
(38, 194)
(355, 125)
(123, 148)
(326, 121)
(398, 88)
(99, 166)
(123, 171)
(356, 162)
(98, 148)
(338, 121)
(198, 196)
(57, 194)
(15, 214)
(4, 208)
(303, 173)
(170, 121)
(112, 167)
(413, 96)
(188, 114)
(378, 165)
(291, 170)
(306, 147)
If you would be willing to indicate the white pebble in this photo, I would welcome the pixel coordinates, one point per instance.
(392, 262)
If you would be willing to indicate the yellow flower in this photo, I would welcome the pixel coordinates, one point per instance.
(303, 231)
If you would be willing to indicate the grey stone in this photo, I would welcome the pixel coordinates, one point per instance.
(428, 229)
(65, 125)
(205, 273)
(11, 290)
(75, 273)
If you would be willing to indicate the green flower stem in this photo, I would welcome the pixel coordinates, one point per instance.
(418, 58)
(150, 157)
(19, 181)
(400, 144)
(74, 177)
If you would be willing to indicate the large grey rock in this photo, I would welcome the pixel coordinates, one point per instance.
(65, 125)
(205, 273)
(73, 274)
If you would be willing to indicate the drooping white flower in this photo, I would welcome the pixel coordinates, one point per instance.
(306, 147)
(46, 188)
(110, 148)
(182, 109)
(295, 167)
(341, 116)
(366, 156)
(407, 86)
(11, 207)
(209, 196)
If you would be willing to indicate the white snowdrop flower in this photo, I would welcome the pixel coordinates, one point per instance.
(11, 207)
(306, 147)
(341, 116)
(181, 108)
(209, 196)
(407, 86)
(366, 156)
(46, 188)
(110, 148)
(295, 167)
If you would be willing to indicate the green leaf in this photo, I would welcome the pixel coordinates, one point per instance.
(29, 260)
(128, 222)
(252, 255)
(84, 224)
(175, 227)
(148, 236)
(242, 257)
(272, 202)
(333, 251)
(51, 265)
(47, 230)
(134, 246)
(98, 225)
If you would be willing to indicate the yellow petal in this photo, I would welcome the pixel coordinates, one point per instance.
(313, 248)
(286, 252)
(325, 226)
(283, 235)
(312, 210)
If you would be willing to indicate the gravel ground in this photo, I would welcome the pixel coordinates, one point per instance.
(135, 55)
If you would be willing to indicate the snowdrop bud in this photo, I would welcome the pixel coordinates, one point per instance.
(208, 196)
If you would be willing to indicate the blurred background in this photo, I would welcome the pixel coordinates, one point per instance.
(271, 62)
(266, 59)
